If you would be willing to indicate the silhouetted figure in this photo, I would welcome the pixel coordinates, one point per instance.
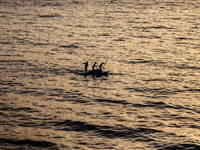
(86, 66)
(100, 66)
(94, 65)
(113, 1)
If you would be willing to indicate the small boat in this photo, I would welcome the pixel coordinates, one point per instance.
(96, 73)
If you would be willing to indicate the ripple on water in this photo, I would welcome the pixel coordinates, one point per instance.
(181, 146)
(27, 143)
(106, 131)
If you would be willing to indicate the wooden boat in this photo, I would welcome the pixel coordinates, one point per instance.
(96, 73)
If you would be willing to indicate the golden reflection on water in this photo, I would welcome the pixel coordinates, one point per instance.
(150, 100)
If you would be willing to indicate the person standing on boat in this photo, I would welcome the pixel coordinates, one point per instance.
(94, 65)
(100, 66)
(86, 66)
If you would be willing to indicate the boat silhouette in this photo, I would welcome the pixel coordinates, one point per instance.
(96, 73)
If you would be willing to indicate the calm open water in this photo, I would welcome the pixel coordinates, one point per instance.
(150, 100)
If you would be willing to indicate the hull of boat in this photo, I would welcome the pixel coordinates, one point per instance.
(96, 73)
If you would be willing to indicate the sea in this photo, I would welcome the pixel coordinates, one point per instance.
(149, 101)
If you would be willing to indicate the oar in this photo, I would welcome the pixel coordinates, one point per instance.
(105, 63)
(82, 63)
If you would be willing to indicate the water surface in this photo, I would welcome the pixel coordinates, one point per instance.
(150, 100)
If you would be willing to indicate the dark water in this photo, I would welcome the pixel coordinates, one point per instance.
(150, 100)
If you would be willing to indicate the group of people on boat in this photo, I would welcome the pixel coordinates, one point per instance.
(94, 66)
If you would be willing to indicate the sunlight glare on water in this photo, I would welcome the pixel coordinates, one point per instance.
(149, 100)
